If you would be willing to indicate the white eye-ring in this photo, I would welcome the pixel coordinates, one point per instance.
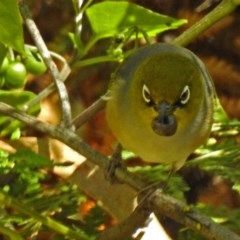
(146, 94)
(185, 95)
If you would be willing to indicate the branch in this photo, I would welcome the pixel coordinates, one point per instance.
(89, 112)
(62, 92)
(158, 201)
(128, 227)
(194, 220)
(64, 73)
(223, 9)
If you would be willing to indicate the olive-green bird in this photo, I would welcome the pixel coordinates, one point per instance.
(160, 103)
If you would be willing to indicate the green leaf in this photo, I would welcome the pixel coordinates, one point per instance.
(219, 113)
(26, 158)
(17, 99)
(3, 52)
(11, 26)
(16, 134)
(106, 21)
(77, 43)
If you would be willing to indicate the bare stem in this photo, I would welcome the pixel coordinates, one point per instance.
(43, 50)
(88, 113)
(65, 71)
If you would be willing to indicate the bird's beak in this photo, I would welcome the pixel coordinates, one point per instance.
(165, 124)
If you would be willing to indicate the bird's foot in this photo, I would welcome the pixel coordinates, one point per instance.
(115, 163)
(152, 187)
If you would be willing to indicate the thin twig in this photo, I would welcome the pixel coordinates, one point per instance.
(194, 220)
(64, 73)
(224, 8)
(89, 112)
(205, 4)
(43, 50)
(78, 18)
(128, 227)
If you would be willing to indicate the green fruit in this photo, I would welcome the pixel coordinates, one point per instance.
(4, 65)
(34, 64)
(15, 75)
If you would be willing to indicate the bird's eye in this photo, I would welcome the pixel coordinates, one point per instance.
(185, 95)
(146, 94)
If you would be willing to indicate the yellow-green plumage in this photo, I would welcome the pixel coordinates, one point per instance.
(161, 103)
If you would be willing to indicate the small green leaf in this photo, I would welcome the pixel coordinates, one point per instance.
(11, 26)
(219, 113)
(17, 99)
(77, 43)
(29, 159)
(106, 21)
(16, 134)
(3, 52)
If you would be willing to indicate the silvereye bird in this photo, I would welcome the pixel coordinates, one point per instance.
(160, 103)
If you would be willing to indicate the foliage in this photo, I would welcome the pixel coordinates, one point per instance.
(104, 24)
(12, 20)
(18, 100)
(26, 177)
(129, 22)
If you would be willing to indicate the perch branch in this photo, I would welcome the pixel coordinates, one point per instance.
(194, 220)
(159, 202)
